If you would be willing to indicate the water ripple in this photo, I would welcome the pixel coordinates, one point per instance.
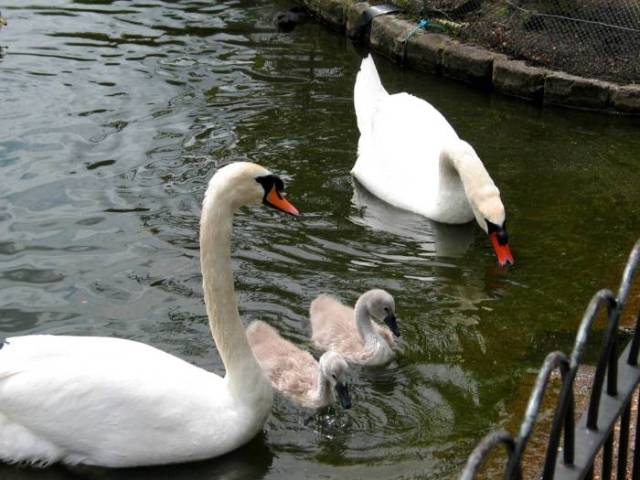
(116, 114)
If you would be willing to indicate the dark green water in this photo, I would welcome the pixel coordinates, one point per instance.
(115, 114)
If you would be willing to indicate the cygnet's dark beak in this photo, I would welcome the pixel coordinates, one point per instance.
(343, 395)
(391, 322)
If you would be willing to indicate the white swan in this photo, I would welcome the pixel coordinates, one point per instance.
(410, 157)
(295, 373)
(350, 332)
(118, 403)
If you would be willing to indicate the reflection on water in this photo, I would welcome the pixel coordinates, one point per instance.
(233, 466)
(115, 115)
(437, 239)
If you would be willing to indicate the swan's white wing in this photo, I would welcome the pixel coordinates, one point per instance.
(106, 401)
(399, 161)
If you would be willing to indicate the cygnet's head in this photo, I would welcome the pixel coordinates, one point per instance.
(244, 183)
(382, 307)
(335, 368)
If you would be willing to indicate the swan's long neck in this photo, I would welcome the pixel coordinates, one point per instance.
(460, 160)
(322, 393)
(219, 293)
(363, 323)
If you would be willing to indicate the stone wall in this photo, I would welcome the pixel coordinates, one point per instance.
(394, 36)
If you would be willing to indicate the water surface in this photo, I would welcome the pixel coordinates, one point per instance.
(116, 113)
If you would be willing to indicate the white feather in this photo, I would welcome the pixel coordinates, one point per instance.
(412, 158)
(119, 403)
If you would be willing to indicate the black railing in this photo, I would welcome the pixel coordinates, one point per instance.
(608, 402)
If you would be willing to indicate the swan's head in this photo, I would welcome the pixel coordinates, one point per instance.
(482, 194)
(382, 307)
(245, 183)
(334, 368)
(490, 215)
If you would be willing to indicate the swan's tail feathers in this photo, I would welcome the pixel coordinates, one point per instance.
(366, 93)
(19, 445)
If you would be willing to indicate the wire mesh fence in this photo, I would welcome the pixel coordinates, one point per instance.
(593, 38)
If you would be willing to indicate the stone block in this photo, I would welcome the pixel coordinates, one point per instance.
(354, 19)
(468, 63)
(515, 77)
(387, 35)
(626, 98)
(424, 51)
(563, 89)
(333, 12)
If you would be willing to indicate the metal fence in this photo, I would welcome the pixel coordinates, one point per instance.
(593, 38)
(573, 447)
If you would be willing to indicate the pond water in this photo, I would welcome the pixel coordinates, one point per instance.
(114, 115)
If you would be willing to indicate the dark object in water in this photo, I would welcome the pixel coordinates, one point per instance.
(364, 23)
(3, 50)
(287, 21)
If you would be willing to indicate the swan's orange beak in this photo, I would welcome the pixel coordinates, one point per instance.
(503, 252)
(276, 200)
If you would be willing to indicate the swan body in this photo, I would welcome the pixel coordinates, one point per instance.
(119, 403)
(114, 402)
(351, 332)
(295, 373)
(412, 158)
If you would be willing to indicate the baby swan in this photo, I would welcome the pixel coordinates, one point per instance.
(336, 327)
(295, 373)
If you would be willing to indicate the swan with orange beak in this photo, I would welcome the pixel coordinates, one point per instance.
(411, 157)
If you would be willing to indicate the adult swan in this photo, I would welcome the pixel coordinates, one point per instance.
(117, 403)
(410, 157)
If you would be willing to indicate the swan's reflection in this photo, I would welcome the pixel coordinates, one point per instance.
(438, 239)
(252, 461)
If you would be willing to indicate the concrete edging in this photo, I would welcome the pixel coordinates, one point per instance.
(438, 53)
